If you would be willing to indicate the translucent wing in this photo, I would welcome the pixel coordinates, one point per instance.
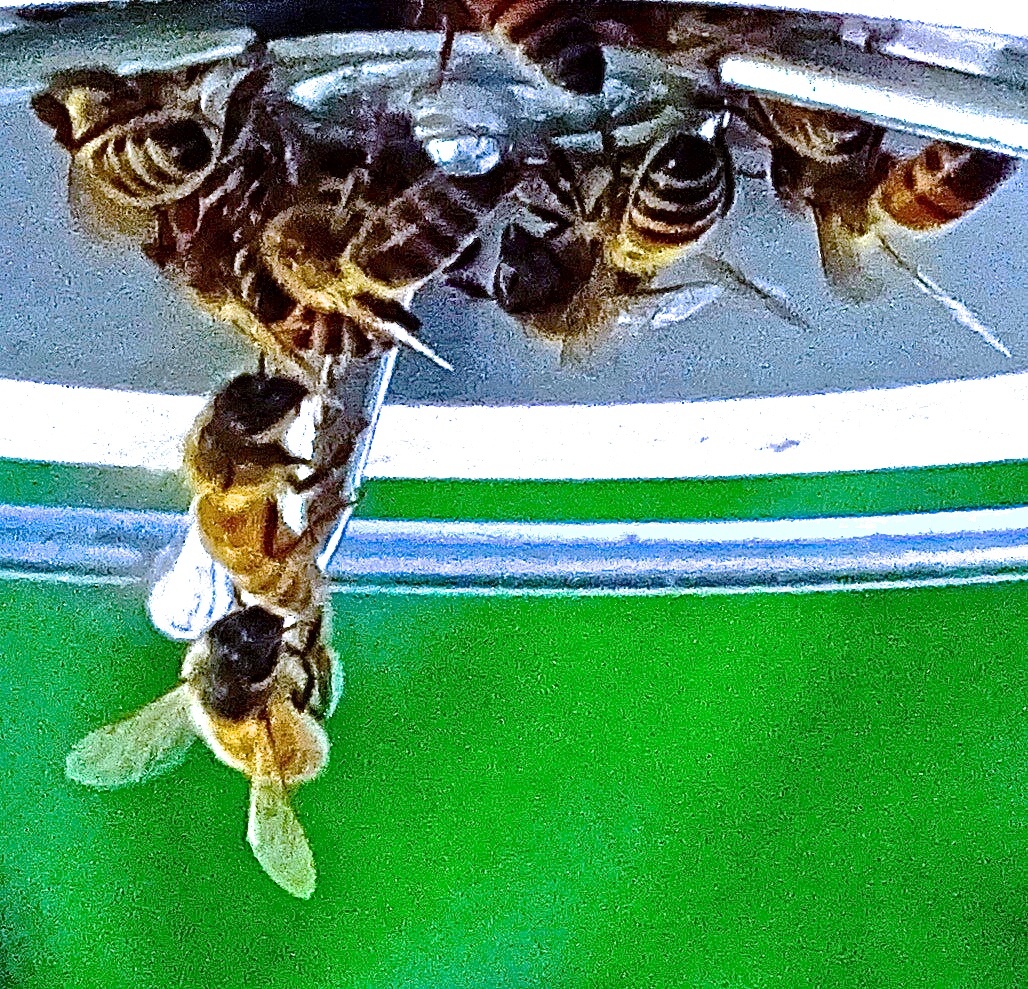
(683, 303)
(960, 312)
(274, 832)
(149, 742)
(773, 298)
(842, 256)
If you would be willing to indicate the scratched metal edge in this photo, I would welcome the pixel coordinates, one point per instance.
(660, 557)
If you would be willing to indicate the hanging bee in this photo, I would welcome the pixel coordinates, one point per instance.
(139, 143)
(832, 166)
(556, 35)
(240, 469)
(569, 266)
(311, 245)
(357, 265)
(250, 688)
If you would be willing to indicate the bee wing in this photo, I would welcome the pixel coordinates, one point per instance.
(683, 302)
(842, 257)
(147, 743)
(776, 300)
(274, 831)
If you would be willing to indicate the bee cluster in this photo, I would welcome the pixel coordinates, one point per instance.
(310, 221)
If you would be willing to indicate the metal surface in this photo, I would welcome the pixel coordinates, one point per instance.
(568, 557)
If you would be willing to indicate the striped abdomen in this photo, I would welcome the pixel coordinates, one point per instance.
(425, 228)
(682, 189)
(552, 35)
(265, 559)
(211, 238)
(150, 162)
(820, 135)
(940, 184)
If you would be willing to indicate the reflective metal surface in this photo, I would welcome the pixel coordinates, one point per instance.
(823, 554)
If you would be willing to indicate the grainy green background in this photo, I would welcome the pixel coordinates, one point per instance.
(682, 791)
(763, 790)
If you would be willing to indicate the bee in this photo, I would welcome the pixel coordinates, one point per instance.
(940, 184)
(311, 242)
(832, 166)
(570, 265)
(357, 265)
(249, 689)
(239, 469)
(554, 35)
(138, 143)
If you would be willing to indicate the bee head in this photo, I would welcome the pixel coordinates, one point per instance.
(251, 404)
(534, 276)
(686, 158)
(81, 102)
(244, 649)
(571, 54)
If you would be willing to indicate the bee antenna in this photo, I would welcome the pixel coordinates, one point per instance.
(960, 312)
(400, 335)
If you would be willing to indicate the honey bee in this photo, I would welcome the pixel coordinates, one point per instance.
(832, 166)
(635, 228)
(239, 469)
(357, 265)
(249, 689)
(310, 244)
(138, 143)
(555, 35)
(569, 266)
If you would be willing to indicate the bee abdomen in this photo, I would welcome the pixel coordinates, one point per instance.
(681, 193)
(562, 44)
(150, 165)
(942, 183)
(258, 289)
(419, 233)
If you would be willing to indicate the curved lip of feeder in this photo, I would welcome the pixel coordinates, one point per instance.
(958, 547)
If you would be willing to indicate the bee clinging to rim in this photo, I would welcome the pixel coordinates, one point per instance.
(240, 470)
(832, 166)
(249, 690)
(273, 223)
(359, 264)
(138, 143)
(558, 36)
(572, 262)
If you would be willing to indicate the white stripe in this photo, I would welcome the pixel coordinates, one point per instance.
(638, 535)
(946, 422)
(69, 425)
(915, 426)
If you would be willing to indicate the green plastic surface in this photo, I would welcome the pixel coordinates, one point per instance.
(729, 791)
(780, 496)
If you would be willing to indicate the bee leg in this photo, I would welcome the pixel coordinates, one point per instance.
(313, 678)
(302, 698)
(566, 171)
(446, 48)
